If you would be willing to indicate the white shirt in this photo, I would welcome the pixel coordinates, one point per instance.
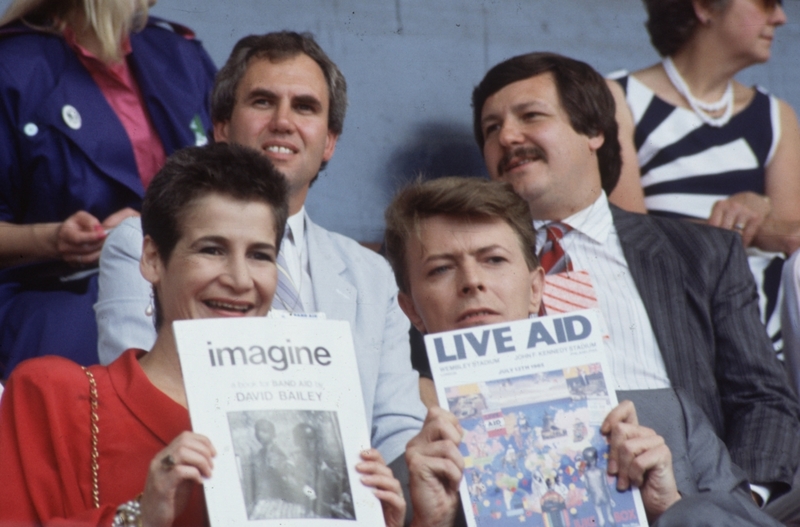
(593, 245)
(295, 252)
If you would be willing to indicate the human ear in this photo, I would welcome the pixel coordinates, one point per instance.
(221, 131)
(408, 307)
(537, 289)
(703, 11)
(595, 142)
(151, 266)
(330, 146)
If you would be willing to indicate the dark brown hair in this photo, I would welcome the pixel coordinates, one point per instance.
(276, 47)
(584, 96)
(671, 23)
(460, 197)
(193, 173)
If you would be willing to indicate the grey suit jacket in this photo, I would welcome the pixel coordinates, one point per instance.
(350, 283)
(355, 284)
(713, 489)
(702, 303)
(700, 461)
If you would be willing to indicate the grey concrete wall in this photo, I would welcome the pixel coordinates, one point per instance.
(411, 66)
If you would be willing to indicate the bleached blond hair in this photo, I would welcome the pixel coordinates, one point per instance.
(111, 20)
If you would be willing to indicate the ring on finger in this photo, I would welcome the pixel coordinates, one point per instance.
(168, 461)
(739, 226)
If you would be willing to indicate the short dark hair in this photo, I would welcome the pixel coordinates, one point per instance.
(195, 172)
(671, 23)
(584, 96)
(192, 173)
(460, 197)
(276, 47)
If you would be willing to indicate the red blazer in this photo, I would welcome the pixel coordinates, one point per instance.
(45, 441)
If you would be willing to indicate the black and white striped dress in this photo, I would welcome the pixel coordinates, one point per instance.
(687, 166)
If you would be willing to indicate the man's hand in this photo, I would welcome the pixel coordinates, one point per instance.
(639, 457)
(435, 467)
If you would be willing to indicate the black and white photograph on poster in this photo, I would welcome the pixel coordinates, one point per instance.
(291, 464)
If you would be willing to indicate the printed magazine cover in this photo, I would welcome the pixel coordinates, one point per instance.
(269, 395)
(531, 396)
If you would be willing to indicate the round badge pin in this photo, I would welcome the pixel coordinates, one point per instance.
(30, 129)
(71, 116)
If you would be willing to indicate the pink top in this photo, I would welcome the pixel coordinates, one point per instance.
(123, 95)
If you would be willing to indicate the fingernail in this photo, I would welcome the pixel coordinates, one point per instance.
(612, 467)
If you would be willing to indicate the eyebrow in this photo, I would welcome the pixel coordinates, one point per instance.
(224, 241)
(259, 93)
(450, 256)
(264, 246)
(309, 100)
(517, 109)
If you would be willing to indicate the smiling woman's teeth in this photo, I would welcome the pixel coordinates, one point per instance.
(229, 307)
(279, 149)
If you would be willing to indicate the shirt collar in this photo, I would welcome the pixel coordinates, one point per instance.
(594, 221)
(296, 228)
(69, 36)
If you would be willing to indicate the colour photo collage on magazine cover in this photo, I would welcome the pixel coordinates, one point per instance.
(531, 397)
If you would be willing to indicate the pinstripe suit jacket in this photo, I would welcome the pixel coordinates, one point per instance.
(702, 303)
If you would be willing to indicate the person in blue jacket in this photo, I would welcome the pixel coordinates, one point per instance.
(73, 162)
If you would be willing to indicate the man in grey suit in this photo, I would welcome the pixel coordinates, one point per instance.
(463, 255)
(282, 95)
(678, 301)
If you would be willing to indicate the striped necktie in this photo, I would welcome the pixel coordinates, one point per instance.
(287, 296)
(552, 256)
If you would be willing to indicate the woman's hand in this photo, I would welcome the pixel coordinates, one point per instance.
(744, 213)
(115, 219)
(80, 238)
(376, 474)
(173, 473)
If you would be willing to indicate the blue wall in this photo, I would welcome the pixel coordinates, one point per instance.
(411, 66)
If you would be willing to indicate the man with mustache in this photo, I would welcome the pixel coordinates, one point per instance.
(462, 250)
(281, 94)
(677, 298)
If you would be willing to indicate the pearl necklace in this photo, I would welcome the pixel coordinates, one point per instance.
(701, 108)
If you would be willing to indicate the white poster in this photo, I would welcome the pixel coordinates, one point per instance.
(281, 402)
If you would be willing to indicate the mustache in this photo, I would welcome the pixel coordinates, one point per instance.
(520, 153)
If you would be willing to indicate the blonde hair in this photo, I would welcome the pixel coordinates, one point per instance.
(110, 20)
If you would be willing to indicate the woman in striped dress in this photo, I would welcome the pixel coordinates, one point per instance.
(699, 145)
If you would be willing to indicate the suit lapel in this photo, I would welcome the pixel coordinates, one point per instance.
(333, 293)
(97, 122)
(659, 278)
(160, 88)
